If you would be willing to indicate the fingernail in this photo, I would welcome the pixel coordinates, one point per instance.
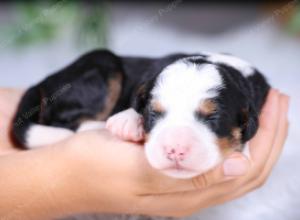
(235, 167)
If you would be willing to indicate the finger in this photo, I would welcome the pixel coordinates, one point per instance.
(281, 136)
(261, 145)
(218, 193)
(196, 193)
(192, 195)
(261, 150)
(173, 204)
(235, 166)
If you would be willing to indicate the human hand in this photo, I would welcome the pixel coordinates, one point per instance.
(104, 174)
(114, 176)
(9, 99)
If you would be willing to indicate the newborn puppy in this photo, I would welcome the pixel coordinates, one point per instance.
(191, 110)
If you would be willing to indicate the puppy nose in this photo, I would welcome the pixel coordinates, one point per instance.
(177, 153)
(177, 142)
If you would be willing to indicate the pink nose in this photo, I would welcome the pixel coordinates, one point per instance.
(177, 143)
(177, 153)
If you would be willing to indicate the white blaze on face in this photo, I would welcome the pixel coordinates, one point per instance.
(180, 89)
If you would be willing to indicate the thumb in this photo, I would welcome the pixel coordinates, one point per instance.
(234, 166)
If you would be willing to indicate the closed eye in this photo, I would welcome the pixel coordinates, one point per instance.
(206, 117)
(211, 120)
(151, 117)
(157, 114)
(156, 109)
(211, 117)
(207, 108)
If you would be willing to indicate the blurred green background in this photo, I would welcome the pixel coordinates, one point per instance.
(33, 23)
(36, 22)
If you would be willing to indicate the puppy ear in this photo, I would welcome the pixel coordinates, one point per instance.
(249, 122)
(140, 99)
(143, 94)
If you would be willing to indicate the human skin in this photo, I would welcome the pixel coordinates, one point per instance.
(96, 172)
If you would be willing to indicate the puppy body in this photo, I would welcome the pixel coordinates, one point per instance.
(192, 109)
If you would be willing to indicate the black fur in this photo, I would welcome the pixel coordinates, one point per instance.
(238, 105)
(78, 92)
(61, 100)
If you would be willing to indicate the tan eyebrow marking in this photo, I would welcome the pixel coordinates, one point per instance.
(157, 106)
(207, 107)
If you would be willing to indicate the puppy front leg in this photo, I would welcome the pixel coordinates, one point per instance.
(127, 125)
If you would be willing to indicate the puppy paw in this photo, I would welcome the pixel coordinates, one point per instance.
(127, 125)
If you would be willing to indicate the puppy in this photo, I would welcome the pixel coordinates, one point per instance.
(190, 109)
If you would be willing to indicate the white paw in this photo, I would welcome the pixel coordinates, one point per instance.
(127, 125)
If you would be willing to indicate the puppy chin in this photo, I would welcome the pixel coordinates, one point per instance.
(180, 174)
(186, 173)
(186, 170)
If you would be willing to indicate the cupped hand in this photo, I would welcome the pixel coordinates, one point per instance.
(105, 174)
(130, 185)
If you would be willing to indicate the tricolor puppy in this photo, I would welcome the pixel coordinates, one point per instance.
(191, 110)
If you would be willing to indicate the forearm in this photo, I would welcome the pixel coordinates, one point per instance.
(35, 185)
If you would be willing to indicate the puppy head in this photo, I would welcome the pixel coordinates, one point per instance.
(194, 114)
